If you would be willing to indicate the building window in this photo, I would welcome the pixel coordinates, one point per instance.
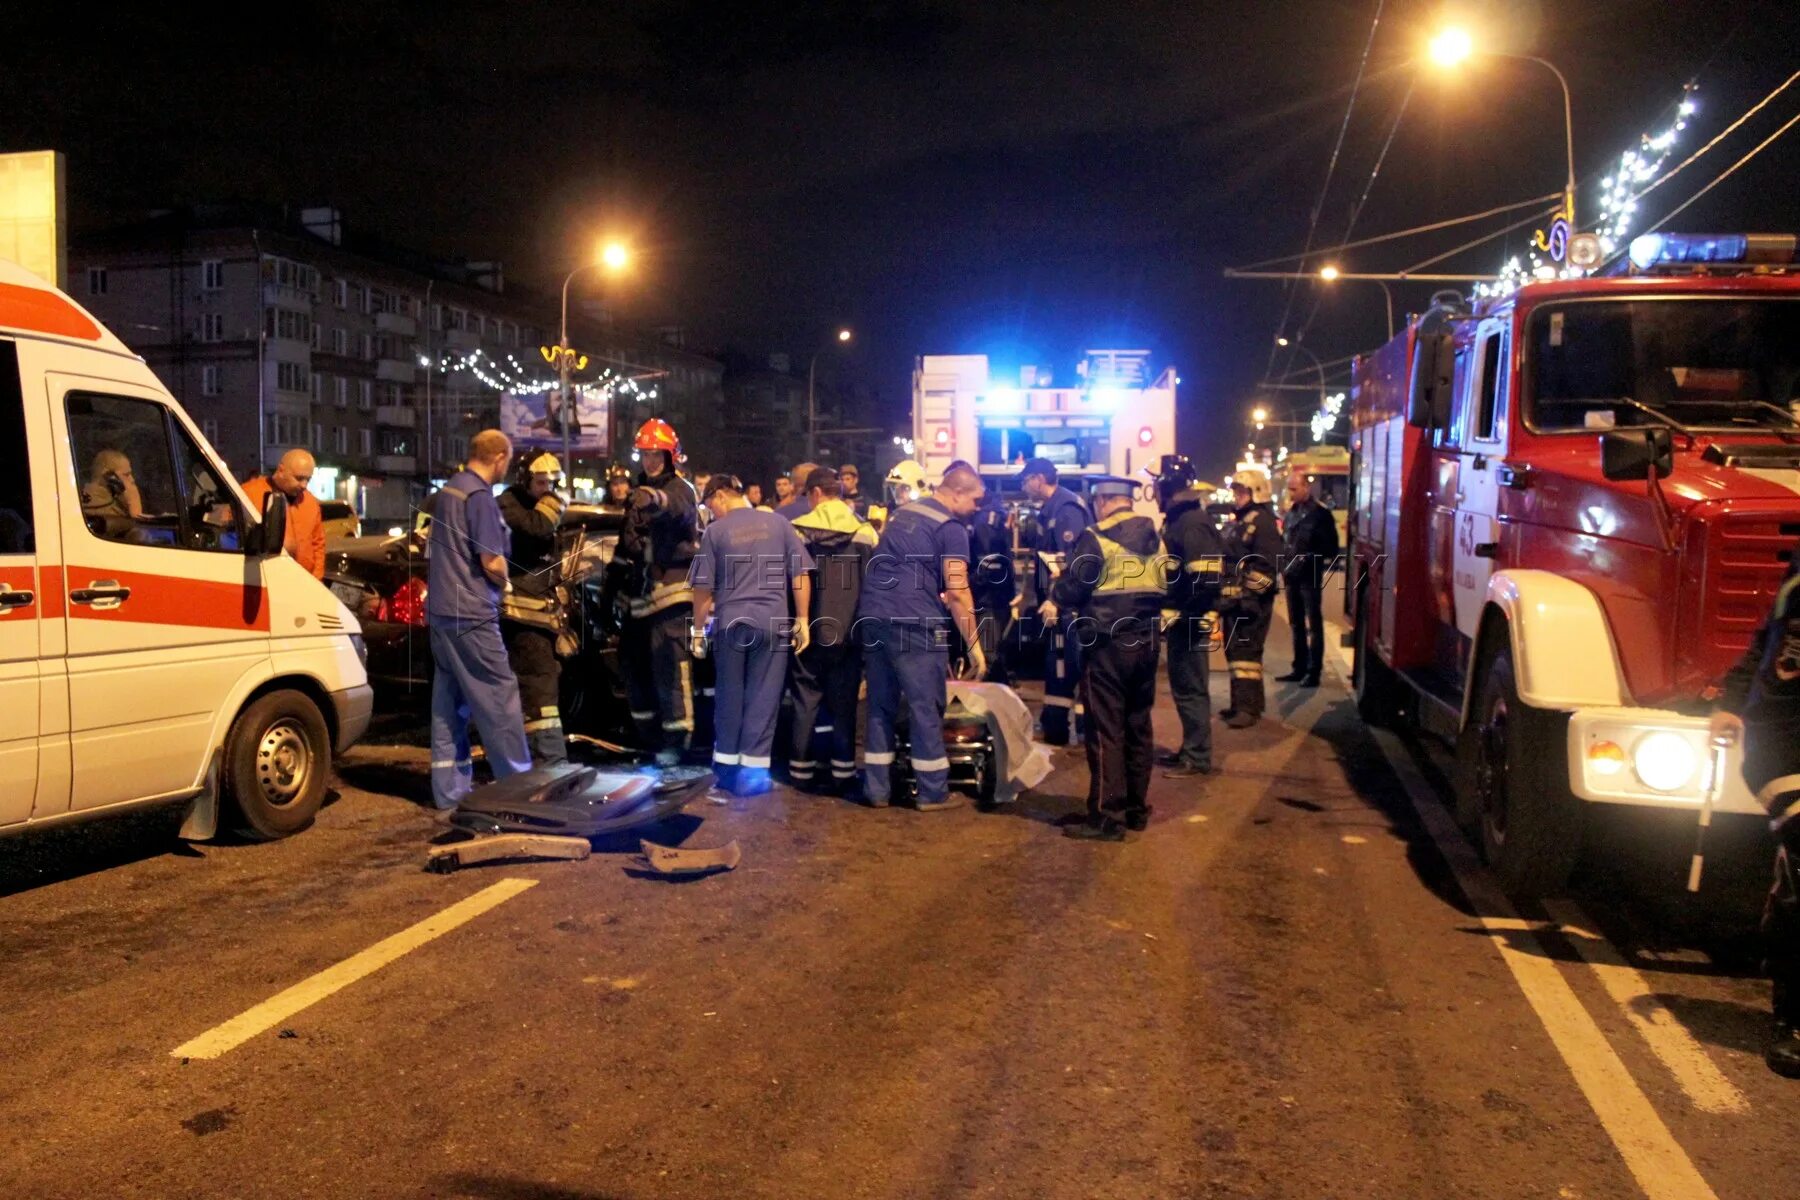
(437, 316)
(209, 382)
(315, 337)
(343, 392)
(340, 439)
(340, 293)
(365, 393)
(365, 442)
(212, 274)
(285, 323)
(212, 327)
(293, 377)
(209, 429)
(368, 348)
(318, 436)
(378, 300)
(340, 342)
(318, 388)
(459, 319)
(96, 281)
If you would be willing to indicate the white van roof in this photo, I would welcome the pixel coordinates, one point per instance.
(32, 307)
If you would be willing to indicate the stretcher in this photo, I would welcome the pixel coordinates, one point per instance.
(987, 738)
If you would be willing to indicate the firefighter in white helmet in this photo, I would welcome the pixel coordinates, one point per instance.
(905, 484)
(1247, 600)
(532, 614)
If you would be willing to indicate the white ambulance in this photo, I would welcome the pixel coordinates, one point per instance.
(155, 644)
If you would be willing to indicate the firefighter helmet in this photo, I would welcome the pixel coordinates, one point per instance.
(544, 463)
(906, 483)
(618, 471)
(1255, 480)
(1176, 476)
(657, 434)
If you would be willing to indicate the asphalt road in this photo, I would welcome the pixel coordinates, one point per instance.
(1296, 983)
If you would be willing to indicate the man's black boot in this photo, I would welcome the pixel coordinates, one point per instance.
(1097, 829)
(1138, 819)
(1311, 681)
(1293, 676)
(1783, 1053)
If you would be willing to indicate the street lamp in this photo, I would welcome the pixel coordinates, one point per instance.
(1330, 274)
(1259, 414)
(614, 257)
(812, 411)
(1453, 45)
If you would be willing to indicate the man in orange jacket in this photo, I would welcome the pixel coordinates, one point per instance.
(305, 519)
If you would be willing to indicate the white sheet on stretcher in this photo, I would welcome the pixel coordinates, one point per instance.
(1023, 763)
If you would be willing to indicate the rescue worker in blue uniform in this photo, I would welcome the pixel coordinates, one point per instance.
(1113, 582)
(1061, 518)
(531, 613)
(991, 554)
(1761, 708)
(466, 549)
(750, 566)
(917, 584)
(826, 677)
(1194, 566)
(661, 533)
(1247, 598)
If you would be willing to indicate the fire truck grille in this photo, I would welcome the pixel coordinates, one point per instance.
(1748, 559)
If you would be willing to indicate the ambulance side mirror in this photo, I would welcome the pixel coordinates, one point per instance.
(270, 535)
(1433, 370)
(1632, 454)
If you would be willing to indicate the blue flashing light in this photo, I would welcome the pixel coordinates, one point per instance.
(1673, 249)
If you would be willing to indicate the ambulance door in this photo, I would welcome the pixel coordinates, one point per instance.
(166, 613)
(1478, 500)
(24, 595)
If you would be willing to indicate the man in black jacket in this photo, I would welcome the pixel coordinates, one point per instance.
(1761, 708)
(1311, 544)
(530, 615)
(1196, 556)
(828, 673)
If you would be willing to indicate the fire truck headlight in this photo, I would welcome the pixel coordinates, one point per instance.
(1666, 762)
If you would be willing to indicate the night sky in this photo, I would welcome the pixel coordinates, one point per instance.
(1025, 179)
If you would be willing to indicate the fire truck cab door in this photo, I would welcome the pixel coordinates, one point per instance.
(1482, 416)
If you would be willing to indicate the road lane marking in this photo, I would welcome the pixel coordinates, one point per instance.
(233, 1033)
(1657, 1162)
(1698, 1076)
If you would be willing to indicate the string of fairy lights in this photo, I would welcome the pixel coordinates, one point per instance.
(511, 376)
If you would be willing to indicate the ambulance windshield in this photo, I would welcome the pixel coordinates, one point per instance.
(1698, 363)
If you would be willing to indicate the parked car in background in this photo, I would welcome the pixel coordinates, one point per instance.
(340, 519)
(382, 580)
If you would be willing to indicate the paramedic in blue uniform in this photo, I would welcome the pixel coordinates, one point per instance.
(466, 551)
(1061, 518)
(749, 566)
(917, 584)
(1114, 582)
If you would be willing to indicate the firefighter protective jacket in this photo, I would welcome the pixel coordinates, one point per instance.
(1252, 550)
(533, 561)
(1196, 562)
(1764, 690)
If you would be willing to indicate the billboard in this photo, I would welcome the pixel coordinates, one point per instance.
(33, 219)
(534, 419)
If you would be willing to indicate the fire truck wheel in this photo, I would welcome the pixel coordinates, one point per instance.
(1377, 691)
(277, 759)
(1512, 788)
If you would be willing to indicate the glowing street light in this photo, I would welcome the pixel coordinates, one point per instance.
(613, 257)
(1260, 415)
(1451, 46)
(843, 335)
(812, 412)
(1280, 341)
(1329, 273)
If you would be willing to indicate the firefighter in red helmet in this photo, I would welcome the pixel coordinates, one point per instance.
(662, 530)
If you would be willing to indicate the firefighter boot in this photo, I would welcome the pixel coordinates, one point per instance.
(1783, 1052)
(1246, 703)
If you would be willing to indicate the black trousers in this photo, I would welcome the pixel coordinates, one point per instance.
(1118, 688)
(659, 676)
(532, 653)
(825, 677)
(1781, 924)
(990, 623)
(1305, 606)
(1246, 630)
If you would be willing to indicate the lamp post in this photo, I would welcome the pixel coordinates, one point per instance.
(614, 257)
(1331, 274)
(1451, 46)
(812, 411)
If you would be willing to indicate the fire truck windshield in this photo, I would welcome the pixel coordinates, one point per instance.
(1689, 362)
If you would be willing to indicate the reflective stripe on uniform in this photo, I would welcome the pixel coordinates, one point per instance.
(465, 762)
(842, 770)
(822, 728)
(546, 723)
(931, 764)
(708, 692)
(921, 509)
(1246, 670)
(687, 726)
(1770, 793)
(725, 760)
(756, 760)
(878, 758)
(1059, 702)
(687, 695)
(642, 716)
(1214, 565)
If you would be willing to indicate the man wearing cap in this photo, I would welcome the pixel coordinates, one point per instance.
(748, 565)
(531, 617)
(1061, 519)
(916, 584)
(850, 490)
(828, 674)
(1247, 599)
(1113, 583)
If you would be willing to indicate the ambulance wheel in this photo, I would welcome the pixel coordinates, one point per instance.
(1513, 788)
(1377, 690)
(277, 759)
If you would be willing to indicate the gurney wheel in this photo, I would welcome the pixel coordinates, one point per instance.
(988, 785)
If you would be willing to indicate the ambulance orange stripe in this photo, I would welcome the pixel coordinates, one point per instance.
(20, 579)
(50, 578)
(175, 600)
(39, 311)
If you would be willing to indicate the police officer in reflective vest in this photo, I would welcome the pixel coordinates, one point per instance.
(827, 675)
(917, 583)
(1761, 707)
(531, 615)
(662, 531)
(1061, 518)
(742, 575)
(1195, 565)
(1113, 584)
(1247, 599)
(471, 680)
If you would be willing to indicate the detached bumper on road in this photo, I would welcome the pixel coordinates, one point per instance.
(354, 706)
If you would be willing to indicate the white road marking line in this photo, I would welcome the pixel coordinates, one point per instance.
(233, 1033)
(1698, 1076)
(1657, 1162)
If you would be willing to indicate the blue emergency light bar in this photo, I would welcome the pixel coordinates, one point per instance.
(1672, 251)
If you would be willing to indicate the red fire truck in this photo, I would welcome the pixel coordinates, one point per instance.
(1571, 508)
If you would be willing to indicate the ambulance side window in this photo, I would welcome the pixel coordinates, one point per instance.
(210, 516)
(17, 535)
(142, 479)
